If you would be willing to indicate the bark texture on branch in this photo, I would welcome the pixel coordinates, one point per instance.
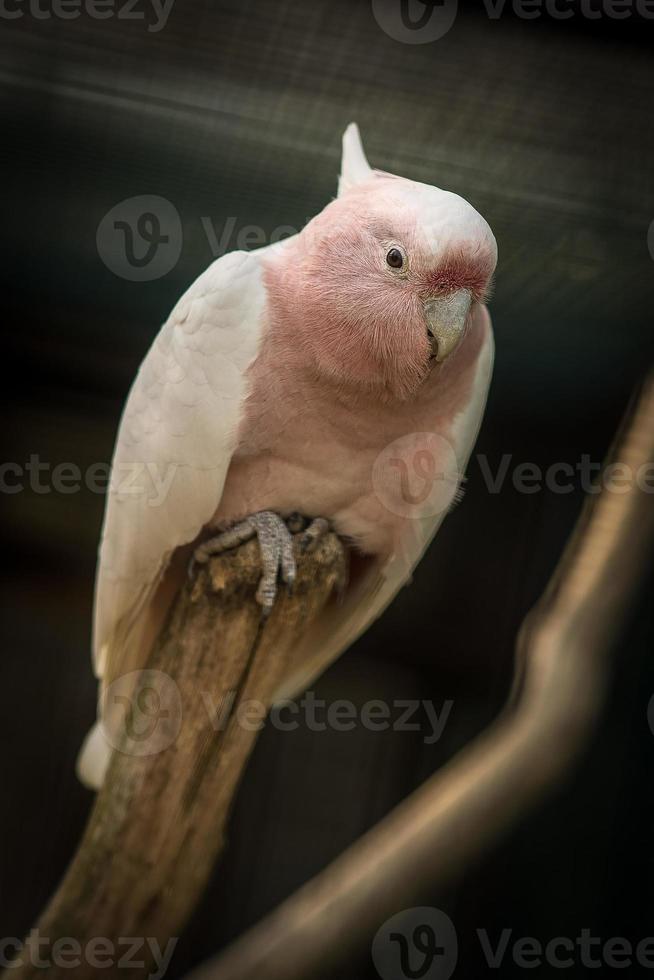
(434, 834)
(158, 823)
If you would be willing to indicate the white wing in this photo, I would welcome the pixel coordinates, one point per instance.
(341, 624)
(174, 445)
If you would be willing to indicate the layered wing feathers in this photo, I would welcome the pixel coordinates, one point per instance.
(174, 445)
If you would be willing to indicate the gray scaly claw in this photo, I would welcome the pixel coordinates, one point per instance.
(276, 548)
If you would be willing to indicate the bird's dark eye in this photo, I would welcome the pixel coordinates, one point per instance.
(394, 258)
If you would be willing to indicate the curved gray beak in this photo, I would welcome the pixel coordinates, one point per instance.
(446, 318)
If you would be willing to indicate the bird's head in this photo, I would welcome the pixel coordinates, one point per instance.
(381, 285)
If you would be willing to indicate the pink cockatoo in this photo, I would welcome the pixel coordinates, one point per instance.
(305, 377)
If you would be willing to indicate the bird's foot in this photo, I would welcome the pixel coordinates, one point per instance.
(275, 546)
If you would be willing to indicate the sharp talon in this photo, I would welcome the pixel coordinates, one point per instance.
(265, 598)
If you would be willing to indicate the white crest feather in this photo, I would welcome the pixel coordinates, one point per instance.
(354, 166)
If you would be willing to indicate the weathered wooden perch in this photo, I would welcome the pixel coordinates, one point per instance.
(158, 823)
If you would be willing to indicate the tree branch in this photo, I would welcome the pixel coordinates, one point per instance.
(434, 834)
(158, 823)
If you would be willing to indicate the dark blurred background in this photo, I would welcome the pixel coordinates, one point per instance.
(233, 111)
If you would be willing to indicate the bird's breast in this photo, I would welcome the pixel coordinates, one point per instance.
(372, 467)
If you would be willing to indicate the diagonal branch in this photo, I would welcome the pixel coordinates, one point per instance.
(159, 821)
(434, 834)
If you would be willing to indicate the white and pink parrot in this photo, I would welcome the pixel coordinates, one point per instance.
(294, 379)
